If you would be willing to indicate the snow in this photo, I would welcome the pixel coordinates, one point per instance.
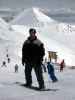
(13, 40)
(51, 41)
(63, 89)
(56, 36)
(51, 33)
(3, 23)
(27, 17)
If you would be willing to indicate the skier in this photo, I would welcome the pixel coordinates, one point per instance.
(8, 60)
(16, 68)
(4, 64)
(62, 65)
(51, 72)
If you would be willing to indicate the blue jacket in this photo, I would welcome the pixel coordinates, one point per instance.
(50, 67)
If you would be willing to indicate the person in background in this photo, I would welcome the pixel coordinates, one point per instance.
(62, 65)
(51, 72)
(4, 64)
(16, 68)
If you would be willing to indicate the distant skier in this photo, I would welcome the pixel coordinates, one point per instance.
(62, 65)
(51, 72)
(4, 64)
(16, 68)
(7, 55)
(8, 60)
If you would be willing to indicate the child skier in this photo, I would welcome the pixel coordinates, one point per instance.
(51, 72)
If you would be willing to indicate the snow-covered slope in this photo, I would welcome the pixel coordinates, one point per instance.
(10, 83)
(55, 33)
(11, 41)
(11, 88)
(51, 33)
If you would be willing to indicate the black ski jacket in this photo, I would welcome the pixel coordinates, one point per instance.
(32, 51)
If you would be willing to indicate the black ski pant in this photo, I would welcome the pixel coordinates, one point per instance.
(38, 71)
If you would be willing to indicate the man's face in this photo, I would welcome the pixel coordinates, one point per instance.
(32, 34)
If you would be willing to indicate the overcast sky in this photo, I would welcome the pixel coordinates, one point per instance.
(52, 4)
